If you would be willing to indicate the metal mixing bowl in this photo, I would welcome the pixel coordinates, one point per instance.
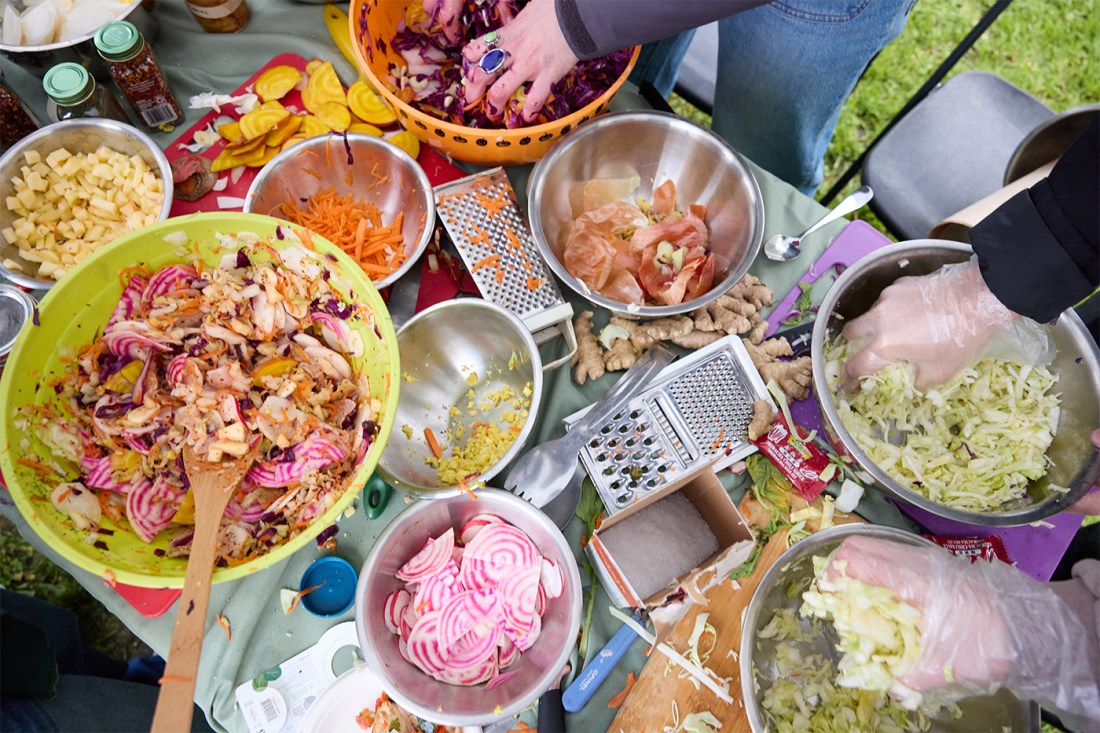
(83, 135)
(658, 146)
(794, 568)
(364, 167)
(1075, 463)
(40, 59)
(440, 348)
(538, 667)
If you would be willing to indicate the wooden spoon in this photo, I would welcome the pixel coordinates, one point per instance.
(212, 484)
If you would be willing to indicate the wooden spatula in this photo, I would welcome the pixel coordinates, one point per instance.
(212, 484)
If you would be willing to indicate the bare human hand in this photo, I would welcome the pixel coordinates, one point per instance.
(536, 51)
(447, 14)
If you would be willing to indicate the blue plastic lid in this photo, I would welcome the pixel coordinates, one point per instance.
(337, 580)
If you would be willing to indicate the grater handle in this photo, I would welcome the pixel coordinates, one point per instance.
(566, 328)
(636, 378)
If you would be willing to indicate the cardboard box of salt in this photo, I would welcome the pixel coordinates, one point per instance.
(674, 544)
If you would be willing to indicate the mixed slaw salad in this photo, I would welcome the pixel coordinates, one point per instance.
(256, 351)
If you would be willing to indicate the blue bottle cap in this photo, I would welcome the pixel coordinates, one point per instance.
(337, 580)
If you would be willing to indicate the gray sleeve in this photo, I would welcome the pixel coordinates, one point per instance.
(596, 27)
(1082, 594)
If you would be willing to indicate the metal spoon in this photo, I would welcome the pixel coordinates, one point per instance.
(782, 247)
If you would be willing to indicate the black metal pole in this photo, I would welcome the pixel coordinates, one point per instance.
(933, 81)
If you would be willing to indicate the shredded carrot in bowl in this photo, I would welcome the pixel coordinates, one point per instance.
(353, 225)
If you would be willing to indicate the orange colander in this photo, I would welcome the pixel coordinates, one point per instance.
(374, 20)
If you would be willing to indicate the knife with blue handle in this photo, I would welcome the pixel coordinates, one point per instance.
(593, 675)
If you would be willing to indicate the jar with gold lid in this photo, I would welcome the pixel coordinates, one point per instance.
(220, 16)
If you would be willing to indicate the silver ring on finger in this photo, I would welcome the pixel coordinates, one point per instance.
(493, 61)
(491, 39)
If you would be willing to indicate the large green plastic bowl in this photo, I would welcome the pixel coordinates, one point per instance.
(71, 315)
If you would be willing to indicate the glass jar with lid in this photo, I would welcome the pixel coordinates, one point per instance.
(220, 16)
(73, 93)
(135, 71)
(16, 122)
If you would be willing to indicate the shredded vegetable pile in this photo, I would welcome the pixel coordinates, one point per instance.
(879, 636)
(253, 353)
(471, 607)
(972, 444)
(806, 696)
(431, 77)
(354, 226)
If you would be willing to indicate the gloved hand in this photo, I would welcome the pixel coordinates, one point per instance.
(939, 322)
(984, 625)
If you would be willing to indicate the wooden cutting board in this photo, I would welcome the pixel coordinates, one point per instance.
(649, 705)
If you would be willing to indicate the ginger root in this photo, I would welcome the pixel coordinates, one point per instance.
(620, 356)
(588, 361)
(793, 377)
(762, 417)
(663, 329)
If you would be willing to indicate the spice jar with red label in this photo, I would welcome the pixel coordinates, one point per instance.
(220, 16)
(135, 71)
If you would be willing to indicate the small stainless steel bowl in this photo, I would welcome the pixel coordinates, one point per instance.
(659, 147)
(538, 667)
(1075, 463)
(440, 348)
(365, 167)
(794, 568)
(40, 59)
(77, 136)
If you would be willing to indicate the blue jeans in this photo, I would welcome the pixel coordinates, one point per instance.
(784, 72)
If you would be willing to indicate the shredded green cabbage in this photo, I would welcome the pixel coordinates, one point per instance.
(879, 636)
(972, 444)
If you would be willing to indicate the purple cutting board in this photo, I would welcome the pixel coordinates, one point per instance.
(1034, 550)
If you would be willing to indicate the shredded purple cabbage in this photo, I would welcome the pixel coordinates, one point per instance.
(325, 535)
(242, 260)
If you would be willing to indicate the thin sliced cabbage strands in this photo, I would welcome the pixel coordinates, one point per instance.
(973, 444)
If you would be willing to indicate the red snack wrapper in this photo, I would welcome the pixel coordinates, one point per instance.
(801, 462)
(976, 548)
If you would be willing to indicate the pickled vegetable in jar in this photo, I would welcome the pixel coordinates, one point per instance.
(220, 16)
(135, 71)
(15, 121)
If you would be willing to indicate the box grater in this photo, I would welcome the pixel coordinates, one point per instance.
(697, 411)
(482, 217)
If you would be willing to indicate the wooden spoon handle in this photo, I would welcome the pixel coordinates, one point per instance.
(176, 701)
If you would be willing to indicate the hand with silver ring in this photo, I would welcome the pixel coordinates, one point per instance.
(532, 48)
(447, 14)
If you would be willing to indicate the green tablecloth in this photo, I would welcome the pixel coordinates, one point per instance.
(262, 635)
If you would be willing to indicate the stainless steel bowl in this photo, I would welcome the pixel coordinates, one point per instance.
(365, 167)
(658, 146)
(1075, 463)
(440, 348)
(77, 136)
(538, 667)
(40, 59)
(794, 568)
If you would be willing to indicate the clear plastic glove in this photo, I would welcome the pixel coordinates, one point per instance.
(985, 625)
(940, 323)
(536, 51)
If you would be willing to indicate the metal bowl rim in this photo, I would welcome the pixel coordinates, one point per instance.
(823, 397)
(60, 45)
(549, 674)
(536, 184)
(446, 492)
(406, 160)
(99, 123)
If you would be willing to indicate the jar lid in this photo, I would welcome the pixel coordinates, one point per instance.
(16, 308)
(334, 582)
(68, 83)
(118, 40)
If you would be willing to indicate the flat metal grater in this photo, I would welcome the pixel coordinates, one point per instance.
(482, 217)
(696, 411)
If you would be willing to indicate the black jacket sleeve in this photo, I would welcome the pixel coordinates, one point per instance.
(1039, 252)
(595, 27)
